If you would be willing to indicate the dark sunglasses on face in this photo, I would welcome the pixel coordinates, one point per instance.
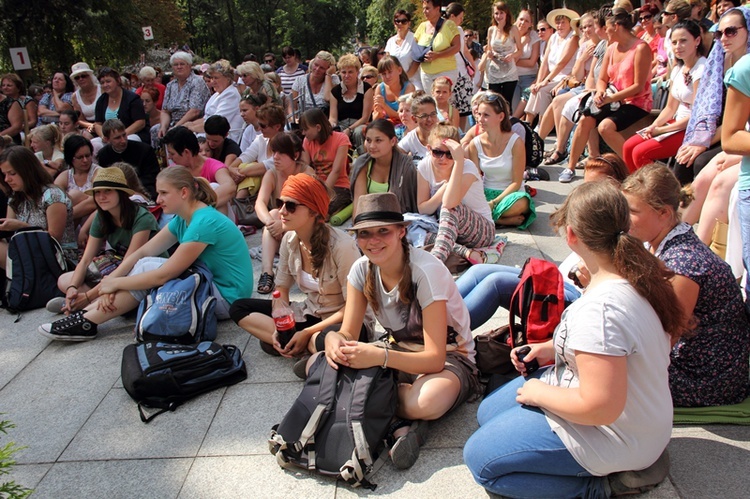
(269, 61)
(400, 21)
(439, 153)
(542, 30)
(368, 77)
(731, 32)
(667, 13)
(79, 77)
(647, 17)
(291, 206)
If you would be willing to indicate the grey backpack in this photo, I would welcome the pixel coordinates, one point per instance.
(338, 424)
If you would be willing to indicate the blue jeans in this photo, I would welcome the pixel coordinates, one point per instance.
(515, 453)
(744, 206)
(524, 82)
(486, 287)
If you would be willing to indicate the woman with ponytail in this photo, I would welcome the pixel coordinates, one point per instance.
(428, 340)
(202, 233)
(710, 366)
(603, 406)
(314, 256)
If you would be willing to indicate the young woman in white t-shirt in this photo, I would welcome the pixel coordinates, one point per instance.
(451, 186)
(604, 407)
(414, 298)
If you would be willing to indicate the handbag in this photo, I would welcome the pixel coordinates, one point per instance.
(662, 95)
(469, 68)
(244, 211)
(418, 52)
(493, 351)
(102, 265)
(588, 108)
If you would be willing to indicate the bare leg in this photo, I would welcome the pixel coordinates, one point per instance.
(463, 121)
(270, 246)
(547, 122)
(580, 136)
(516, 214)
(519, 112)
(429, 397)
(64, 281)
(242, 194)
(702, 184)
(259, 325)
(593, 142)
(563, 134)
(3, 253)
(613, 138)
(716, 206)
(123, 303)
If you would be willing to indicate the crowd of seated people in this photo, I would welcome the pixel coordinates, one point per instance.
(423, 127)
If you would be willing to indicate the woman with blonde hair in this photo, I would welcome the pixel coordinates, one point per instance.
(46, 142)
(225, 101)
(351, 101)
(254, 81)
(313, 90)
(203, 233)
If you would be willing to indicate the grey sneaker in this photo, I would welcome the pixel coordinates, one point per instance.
(300, 366)
(567, 176)
(55, 305)
(72, 328)
(636, 482)
(405, 451)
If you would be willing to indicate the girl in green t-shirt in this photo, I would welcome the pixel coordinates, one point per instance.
(118, 221)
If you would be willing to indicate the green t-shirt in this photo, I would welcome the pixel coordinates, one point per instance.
(119, 240)
(226, 255)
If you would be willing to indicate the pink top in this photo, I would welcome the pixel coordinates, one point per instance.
(210, 167)
(322, 156)
(622, 75)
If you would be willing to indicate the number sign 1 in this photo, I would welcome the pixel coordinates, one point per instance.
(20, 58)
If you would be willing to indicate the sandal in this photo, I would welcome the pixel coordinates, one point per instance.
(266, 283)
(581, 165)
(405, 450)
(555, 158)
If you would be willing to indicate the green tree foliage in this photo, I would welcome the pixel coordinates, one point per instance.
(10, 489)
(58, 33)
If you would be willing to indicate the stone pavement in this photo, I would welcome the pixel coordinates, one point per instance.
(83, 437)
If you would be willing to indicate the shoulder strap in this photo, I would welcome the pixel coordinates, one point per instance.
(309, 89)
(437, 30)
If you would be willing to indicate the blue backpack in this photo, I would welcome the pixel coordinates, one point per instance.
(179, 311)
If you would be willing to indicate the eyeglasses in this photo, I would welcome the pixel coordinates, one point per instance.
(401, 21)
(290, 206)
(368, 77)
(667, 13)
(80, 77)
(269, 61)
(542, 30)
(382, 52)
(263, 125)
(731, 32)
(79, 158)
(425, 116)
(491, 96)
(439, 153)
(380, 232)
(467, 35)
(645, 18)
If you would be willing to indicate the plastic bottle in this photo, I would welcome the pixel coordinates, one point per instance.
(283, 318)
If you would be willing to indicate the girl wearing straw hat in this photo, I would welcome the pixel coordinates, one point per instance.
(414, 298)
(118, 222)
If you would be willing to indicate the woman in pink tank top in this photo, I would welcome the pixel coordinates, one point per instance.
(625, 81)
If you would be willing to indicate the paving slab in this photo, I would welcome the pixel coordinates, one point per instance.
(27, 475)
(131, 479)
(114, 430)
(252, 476)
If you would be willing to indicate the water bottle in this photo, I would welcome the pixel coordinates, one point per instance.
(283, 318)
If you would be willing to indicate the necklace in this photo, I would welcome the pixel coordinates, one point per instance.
(307, 250)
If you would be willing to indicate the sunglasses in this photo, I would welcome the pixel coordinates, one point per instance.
(269, 61)
(262, 125)
(467, 36)
(439, 153)
(290, 206)
(542, 29)
(380, 232)
(382, 52)
(80, 77)
(400, 21)
(731, 32)
(368, 77)
(646, 18)
(667, 13)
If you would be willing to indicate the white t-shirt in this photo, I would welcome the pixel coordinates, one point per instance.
(685, 93)
(474, 197)
(226, 104)
(432, 282)
(403, 54)
(498, 170)
(258, 151)
(526, 53)
(248, 136)
(613, 319)
(410, 143)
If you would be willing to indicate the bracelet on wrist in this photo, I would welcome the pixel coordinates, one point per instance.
(71, 286)
(385, 359)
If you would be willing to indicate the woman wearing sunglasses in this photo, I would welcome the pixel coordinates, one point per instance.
(500, 155)
(286, 151)
(450, 186)
(351, 101)
(313, 256)
(414, 298)
(400, 46)
(664, 136)
(702, 137)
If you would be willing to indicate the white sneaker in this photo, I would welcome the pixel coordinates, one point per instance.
(55, 305)
(567, 176)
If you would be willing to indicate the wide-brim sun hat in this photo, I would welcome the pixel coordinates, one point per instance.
(80, 68)
(377, 210)
(570, 14)
(109, 178)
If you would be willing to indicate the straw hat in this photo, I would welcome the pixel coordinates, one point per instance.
(80, 68)
(376, 210)
(110, 178)
(570, 14)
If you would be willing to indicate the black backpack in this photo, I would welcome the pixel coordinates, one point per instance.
(164, 376)
(35, 261)
(338, 424)
(533, 143)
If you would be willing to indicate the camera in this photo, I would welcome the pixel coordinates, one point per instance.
(532, 366)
